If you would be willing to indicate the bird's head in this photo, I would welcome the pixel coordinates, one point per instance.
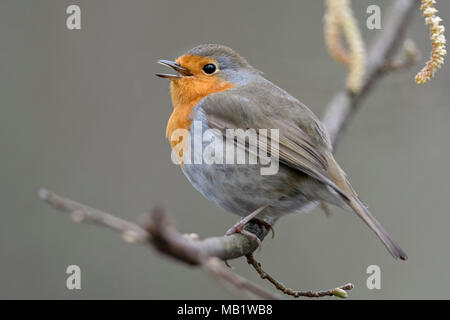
(206, 69)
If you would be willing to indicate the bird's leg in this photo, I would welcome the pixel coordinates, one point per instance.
(239, 226)
(267, 225)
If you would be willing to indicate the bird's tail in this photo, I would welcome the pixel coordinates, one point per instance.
(361, 210)
(353, 201)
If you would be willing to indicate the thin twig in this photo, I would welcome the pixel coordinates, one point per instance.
(340, 292)
(344, 105)
(85, 214)
(235, 283)
(412, 55)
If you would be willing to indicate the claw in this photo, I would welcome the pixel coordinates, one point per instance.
(267, 225)
(239, 228)
(252, 237)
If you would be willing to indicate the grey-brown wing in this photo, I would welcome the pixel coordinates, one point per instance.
(295, 148)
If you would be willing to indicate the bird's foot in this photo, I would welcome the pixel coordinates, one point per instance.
(239, 226)
(267, 225)
(227, 264)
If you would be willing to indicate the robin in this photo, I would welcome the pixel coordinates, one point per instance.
(218, 89)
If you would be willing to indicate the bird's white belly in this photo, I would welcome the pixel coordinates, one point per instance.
(241, 188)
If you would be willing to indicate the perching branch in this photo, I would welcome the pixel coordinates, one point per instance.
(159, 232)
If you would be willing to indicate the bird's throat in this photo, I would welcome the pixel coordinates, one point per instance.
(186, 93)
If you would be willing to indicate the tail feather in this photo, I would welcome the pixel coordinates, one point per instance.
(352, 200)
(362, 211)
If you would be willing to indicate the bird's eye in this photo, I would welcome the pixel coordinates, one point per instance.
(209, 68)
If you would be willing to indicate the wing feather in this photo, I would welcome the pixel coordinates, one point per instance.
(296, 149)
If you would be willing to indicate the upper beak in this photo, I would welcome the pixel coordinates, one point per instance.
(182, 72)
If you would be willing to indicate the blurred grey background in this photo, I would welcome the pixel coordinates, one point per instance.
(83, 114)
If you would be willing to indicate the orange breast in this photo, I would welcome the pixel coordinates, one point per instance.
(186, 94)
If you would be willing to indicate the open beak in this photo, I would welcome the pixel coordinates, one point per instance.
(182, 72)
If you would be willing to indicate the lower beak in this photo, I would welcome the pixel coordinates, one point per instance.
(182, 72)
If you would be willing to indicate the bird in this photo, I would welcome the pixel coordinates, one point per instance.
(215, 89)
